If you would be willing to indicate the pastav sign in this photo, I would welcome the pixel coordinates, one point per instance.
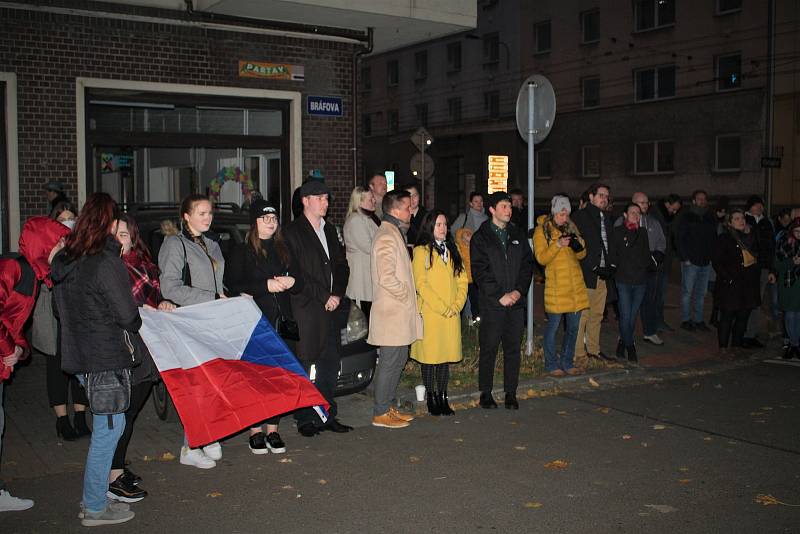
(272, 71)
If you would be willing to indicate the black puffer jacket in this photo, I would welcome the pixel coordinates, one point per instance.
(95, 306)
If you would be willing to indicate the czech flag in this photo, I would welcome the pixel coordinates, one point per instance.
(225, 367)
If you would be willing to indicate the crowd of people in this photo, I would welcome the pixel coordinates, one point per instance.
(415, 276)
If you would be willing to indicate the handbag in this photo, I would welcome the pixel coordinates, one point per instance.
(285, 327)
(109, 392)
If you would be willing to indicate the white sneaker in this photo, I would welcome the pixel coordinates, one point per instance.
(654, 339)
(213, 451)
(197, 458)
(9, 503)
(111, 505)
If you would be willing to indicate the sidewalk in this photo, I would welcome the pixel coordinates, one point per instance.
(31, 449)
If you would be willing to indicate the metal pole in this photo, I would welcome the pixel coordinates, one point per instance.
(422, 171)
(531, 169)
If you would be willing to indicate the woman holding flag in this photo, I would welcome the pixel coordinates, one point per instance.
(192, 270)
(263, 268)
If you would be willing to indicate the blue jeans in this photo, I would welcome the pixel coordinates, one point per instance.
(630, 298)
(551, 359)
(792, 321)
(98, 460)
(694, 284)
(650, 317)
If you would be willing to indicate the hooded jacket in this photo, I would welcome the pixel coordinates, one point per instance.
(19, 282)
(96, 308)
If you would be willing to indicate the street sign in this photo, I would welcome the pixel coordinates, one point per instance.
(416, 165)
(544, 105)
(421, 139)
(771, 163)
(498, 174)
(329, 106)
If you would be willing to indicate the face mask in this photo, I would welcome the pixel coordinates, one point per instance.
(69, 223)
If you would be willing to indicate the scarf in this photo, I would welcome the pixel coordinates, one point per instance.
(371, 214)
(630, 225)
(441, 248)
(397, 222)
(143, 275)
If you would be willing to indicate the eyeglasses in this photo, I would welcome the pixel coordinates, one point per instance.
(269, 218)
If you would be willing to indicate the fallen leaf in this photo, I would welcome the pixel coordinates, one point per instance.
(663, 508)
(457, 382)
(626, 436)
(696, 385)
(594, 383)
(683, 469)
(556, 464)
(459, 440)
(684, 481)
(214, 494)
(285, 460)
(770, 500)
(562, 412)
(531, 393)
(287, 487)
(766, 408)
(146, 458)
(706, 438)
(603, 410)
(322, 482)
(167, 457)
(520, 448)
(533, 504)
(659, 427)
(718, 386)
(644, 444)
(413, 459)
(298, 495)
(756, 413)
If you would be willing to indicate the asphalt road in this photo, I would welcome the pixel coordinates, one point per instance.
(690, 455)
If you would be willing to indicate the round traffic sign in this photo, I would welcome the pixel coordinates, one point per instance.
(544, 108)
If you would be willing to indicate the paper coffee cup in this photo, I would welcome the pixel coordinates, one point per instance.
(420, 389)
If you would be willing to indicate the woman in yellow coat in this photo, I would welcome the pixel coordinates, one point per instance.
(559, 247)
(441, 282)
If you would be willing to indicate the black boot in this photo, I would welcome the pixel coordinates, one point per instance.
(79, 421)
(433, 403)
(620, 350)
(444, 404)
(789, 353)
(64, 430)
(631, 350)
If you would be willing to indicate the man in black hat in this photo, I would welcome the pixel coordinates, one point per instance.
(762, 226)
(320, 308)
(55, 194)
(502, 267)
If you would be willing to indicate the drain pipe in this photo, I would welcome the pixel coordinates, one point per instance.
(356, 56)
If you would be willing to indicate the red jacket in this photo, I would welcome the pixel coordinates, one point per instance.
(39, 236)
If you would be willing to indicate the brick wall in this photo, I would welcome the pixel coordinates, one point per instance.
(47, 52)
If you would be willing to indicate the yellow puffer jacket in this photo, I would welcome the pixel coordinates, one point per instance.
(564, 289)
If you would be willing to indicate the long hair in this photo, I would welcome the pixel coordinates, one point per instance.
(427, 240)
(355, 199)
(278, 243)
(93, 226)
(137, 243)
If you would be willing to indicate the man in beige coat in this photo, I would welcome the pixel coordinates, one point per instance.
(394, 322)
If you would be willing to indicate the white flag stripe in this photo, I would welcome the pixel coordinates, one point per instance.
(193, 335)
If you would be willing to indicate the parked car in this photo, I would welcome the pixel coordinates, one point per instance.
(229, 227)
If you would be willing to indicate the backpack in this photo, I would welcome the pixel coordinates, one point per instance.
(27, 282)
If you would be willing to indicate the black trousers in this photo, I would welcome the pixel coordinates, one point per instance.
(139, 394)
(474, 304)
(500, 325)
(327, 373)
(732, 325)
(61, 384)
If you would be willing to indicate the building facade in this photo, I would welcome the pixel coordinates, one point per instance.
(151, 100)
(662, 96)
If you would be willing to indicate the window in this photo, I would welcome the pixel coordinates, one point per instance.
(541, 37)
(728, 153)
(454, 109)
(454, 57)
(654, 157)
(366, 125)
(366, 79)
(392, 73)
(652, 14)
(728, 6)
(590, 91)
(394, 121)
(422, 114)
(590, 26)
(491, 104)
(491, 48)
(590, 161)
(542, 169)
(421, 65)
(655, 83)
(729, 72)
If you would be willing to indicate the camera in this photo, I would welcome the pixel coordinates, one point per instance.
(574, 243)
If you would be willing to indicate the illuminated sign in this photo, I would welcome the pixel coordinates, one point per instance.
(389, 180)
(498, 174)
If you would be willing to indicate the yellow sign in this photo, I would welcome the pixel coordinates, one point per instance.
(498, 174)
(273, 71)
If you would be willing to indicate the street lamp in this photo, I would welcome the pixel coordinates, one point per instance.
(474, 37)
(422, 140)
